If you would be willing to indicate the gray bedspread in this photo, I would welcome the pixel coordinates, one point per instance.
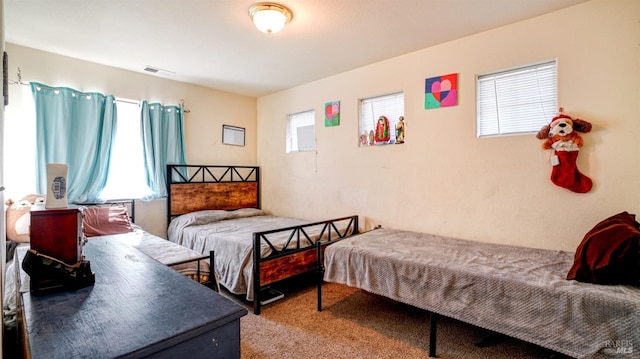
(516, 291)
(166, 252)
(230, 235)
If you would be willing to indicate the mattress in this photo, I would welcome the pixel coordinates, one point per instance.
(230, 235)
(520, 292)
(166, 252)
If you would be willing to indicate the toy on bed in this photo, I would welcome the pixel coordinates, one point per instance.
(18, 217)
(18, 220)
(562, 136)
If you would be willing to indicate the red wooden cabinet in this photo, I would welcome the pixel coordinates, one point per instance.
(57, 233)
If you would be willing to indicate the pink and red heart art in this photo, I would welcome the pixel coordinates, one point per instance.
(441, 91)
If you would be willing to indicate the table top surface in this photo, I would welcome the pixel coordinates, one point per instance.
(136, 307)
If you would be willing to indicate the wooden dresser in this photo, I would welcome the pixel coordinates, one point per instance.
(137, 308)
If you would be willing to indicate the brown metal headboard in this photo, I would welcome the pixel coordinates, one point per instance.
(193, 188)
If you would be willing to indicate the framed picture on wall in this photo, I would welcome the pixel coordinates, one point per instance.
(232, 135)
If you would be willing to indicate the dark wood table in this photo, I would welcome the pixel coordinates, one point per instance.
(137, 308)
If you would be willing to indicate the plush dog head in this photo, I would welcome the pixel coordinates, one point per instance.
(18, 216)
(563, 125)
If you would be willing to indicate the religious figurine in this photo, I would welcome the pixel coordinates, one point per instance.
(363, 139)
(400, 130)
(371, 137)
(382, 130)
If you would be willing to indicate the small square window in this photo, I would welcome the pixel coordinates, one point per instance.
(301, 135)
(520, 100)
(371, 109)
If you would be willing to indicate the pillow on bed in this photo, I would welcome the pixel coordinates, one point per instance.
(216, 215)
(178, 224)
(100, 221)
(609, 252)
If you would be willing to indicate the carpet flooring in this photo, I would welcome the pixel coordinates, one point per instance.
(354, 324)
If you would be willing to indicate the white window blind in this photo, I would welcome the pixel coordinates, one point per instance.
(391, 106)
(301, 132)
(515, 101)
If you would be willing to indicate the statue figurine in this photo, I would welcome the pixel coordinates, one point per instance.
(400, 130)
(363, 139)
(371, 138)
(382, 130)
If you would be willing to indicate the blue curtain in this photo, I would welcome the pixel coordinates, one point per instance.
(78, 129)
(163, 143)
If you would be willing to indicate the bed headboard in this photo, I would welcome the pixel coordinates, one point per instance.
(193, 188)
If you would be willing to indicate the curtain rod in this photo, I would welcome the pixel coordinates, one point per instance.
(19, 82)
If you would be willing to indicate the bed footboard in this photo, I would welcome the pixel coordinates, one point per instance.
(298, 255)
(207, 278)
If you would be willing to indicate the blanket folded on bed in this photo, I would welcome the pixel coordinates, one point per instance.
(609, 252)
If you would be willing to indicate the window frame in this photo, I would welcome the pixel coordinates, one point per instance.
(394, 118)
(522, 116)
(291, 138)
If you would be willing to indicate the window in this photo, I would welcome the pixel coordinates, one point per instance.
(127, 177)
(20, 145)
(391, 106)
(301, 134)
(520, 100)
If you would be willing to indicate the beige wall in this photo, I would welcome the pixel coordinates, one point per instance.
(209, 110)
(446, 181)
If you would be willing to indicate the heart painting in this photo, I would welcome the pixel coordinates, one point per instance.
(441, 91)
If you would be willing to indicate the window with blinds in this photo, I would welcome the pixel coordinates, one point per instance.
(301, 134)
(520, 100)
(391, 106)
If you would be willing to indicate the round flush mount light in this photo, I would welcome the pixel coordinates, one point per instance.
(269, 17)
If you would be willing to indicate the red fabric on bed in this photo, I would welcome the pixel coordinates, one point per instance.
(609, 252)
(100, 221)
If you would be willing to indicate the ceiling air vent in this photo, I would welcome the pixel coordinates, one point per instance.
(155, 70)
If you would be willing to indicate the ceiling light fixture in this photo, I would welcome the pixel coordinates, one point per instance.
(269, 17)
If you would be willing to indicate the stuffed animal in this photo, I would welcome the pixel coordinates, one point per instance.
(19, 216)
(562, 136)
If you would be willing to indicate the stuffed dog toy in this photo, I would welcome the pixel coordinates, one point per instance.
(562, 133)
(18, 216)
(562, 136)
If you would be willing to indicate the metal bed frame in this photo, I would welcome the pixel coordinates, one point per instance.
(235, 187)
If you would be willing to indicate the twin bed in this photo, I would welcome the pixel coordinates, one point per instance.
(103, 221)
(519, 292)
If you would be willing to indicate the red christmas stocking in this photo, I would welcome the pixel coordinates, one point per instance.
(567, 175)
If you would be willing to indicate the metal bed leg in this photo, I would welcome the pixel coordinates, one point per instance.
(256, 274)
(212, 272)
(433, 319)
(320, 275)
(256, 302)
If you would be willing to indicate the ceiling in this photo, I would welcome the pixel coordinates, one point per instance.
(213, 43)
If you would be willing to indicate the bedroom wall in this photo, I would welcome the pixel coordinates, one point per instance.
(209, 110)
(446, 181)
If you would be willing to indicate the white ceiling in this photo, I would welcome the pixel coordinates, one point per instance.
(214, 44)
